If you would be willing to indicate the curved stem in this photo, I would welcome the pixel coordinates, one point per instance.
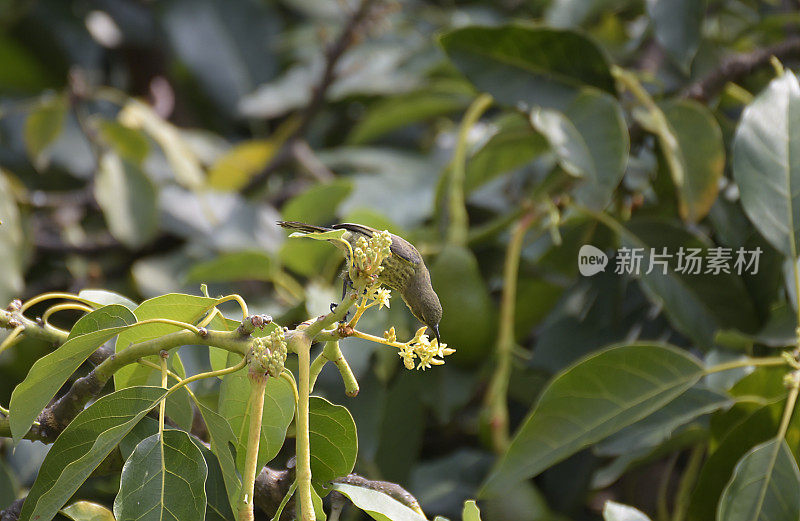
(258, 385)
(458, 227)
(54, 295)
(239, 300)
(63, 307)
(746, 362)
(10, 340)
(688, 481)
(209, 374)
(185, 325)
(289, 377)
(496, 400)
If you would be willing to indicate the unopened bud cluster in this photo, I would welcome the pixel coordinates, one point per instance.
(368, 255)
(269, 353)
(420, 351)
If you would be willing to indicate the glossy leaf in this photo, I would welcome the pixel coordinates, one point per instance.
(222, 442)
(765, 163)
(538, 66)
(749, 427)
(765, 486)
(376, 504)
(590, 140)
(128, 199)
(334, 443)
(173, 306)
(658, 427)
(83, 445)
(678, 27)
(50, 372)
(103, 297)
(590, 400)
(234, 406)
(44, 125)
(163, 480)
(218, 505)
(87, 511)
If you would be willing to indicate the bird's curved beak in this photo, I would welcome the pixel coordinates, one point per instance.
(435, 330)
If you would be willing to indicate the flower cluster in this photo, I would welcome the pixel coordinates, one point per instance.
(420, 347)
(368, 254)
(269, 353)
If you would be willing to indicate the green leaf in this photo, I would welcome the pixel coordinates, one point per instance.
(87, 511)
(471, 511)
(590, 140)
(183, 161)
(696, 305)
(234, 406)
(591, 400)
(129, 143)
(678, 27)
(539, 66)
(514, 145)
(233, 267)
(399, 111)
(174, 306)
(765, 164)
(50, 372)
(376, 504)
(44, 125)
(128, 199)
(765, 486)
(222, 441)
(613, 511)
(164, 477)
(83, 445)
(749, 427)
(234, 169)
(334, 443)
(218, 507)
(700, 152)
(658, 427)
(469, 315)
(104, 297)
(318, 204)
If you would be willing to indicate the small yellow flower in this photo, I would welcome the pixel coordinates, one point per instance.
(382, 297)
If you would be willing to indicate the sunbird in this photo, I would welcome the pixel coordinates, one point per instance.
(404, 271)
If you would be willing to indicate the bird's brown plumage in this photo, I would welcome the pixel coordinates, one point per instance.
(404, 272)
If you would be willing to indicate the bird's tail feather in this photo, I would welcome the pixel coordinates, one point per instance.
(303, 227)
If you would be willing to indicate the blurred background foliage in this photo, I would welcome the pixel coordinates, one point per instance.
(150, 146)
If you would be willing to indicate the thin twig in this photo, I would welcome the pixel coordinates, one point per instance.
(738, 66)
(333, 54)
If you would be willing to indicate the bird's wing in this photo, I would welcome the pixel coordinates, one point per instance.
(400, 247)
